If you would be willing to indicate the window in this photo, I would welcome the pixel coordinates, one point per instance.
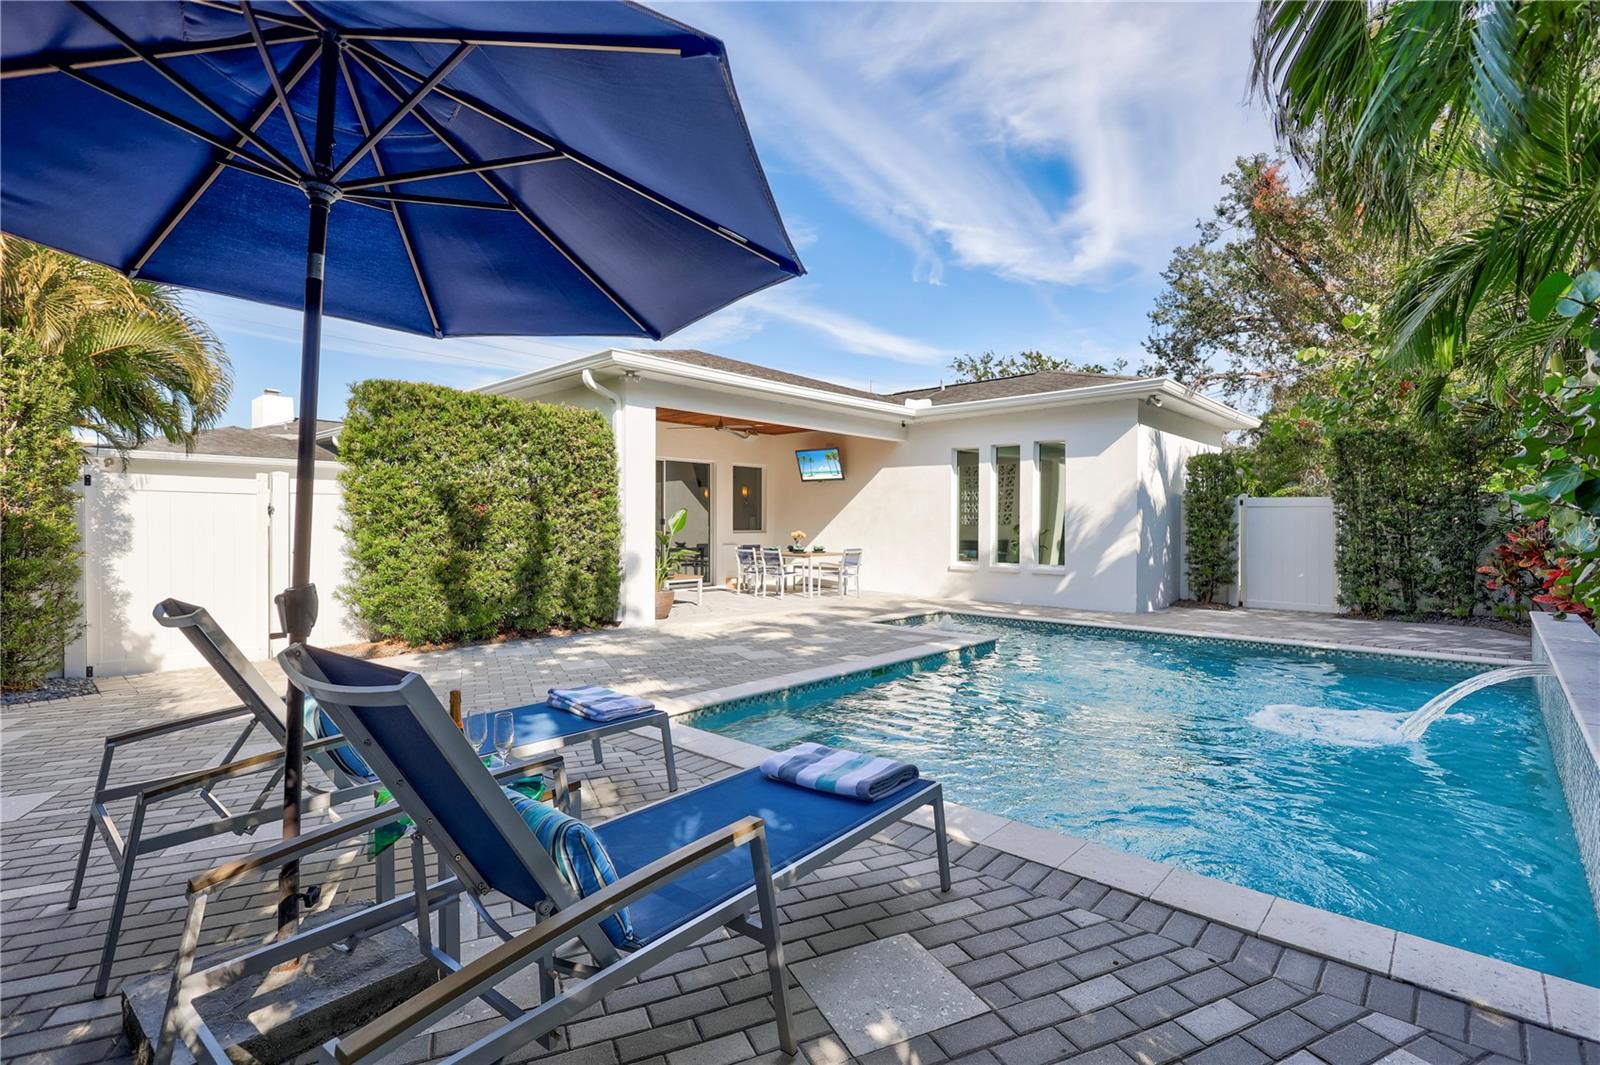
(967, 506)
(1007, 505)
(1052, 463)
(747, 514)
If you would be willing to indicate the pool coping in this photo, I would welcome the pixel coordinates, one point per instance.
(1564, 1005)
(980, 610)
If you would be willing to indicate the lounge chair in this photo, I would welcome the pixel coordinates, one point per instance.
(539, 729)
(678, 874)
(260, 706)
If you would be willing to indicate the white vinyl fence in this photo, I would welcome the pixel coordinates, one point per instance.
(1286, 552)
(210, 533)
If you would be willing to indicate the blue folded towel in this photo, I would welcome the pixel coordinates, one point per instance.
(839, 772)
(597, 703)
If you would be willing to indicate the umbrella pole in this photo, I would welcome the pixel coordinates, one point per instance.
(298, 603)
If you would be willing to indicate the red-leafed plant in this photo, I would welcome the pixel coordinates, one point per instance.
(1525, 569)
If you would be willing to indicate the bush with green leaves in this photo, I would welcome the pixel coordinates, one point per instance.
(471, 515)
(38, 514)
(1414, 514)
(1212, 484)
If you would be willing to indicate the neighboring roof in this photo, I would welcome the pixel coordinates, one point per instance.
(694, 357)
(291, 428)
(239, 442)
(1027, 384)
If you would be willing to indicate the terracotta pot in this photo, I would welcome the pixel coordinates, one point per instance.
(664, 597)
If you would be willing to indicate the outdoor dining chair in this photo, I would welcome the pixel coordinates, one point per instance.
(675, 875)
(749, 559)
(843, 572)
(778, 570)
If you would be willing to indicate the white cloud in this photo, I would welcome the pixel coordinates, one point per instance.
(942, 124)
(793, 304)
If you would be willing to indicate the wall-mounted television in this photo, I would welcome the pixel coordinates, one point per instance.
(820, 464)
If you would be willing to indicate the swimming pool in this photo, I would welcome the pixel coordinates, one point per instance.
(1270, 766)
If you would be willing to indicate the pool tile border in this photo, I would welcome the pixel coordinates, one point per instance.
(983, 613)
(1485, 982)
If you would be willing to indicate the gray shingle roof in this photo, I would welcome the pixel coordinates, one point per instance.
(694, 357)
(241, 442)
(1028, 384)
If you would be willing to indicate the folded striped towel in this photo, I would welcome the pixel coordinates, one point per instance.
(839, 772)
(597, 703)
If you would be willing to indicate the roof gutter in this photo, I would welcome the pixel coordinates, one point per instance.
(1190, 403)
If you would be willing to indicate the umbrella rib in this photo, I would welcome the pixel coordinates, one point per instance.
(450, 171)
(394, 210)
(526, 215)
(183, 86)
(277, 85)
(227, 44)
(297, 70)
(406, 106)
(556, 42)
(250, 164)
(429, 201)
(525, 130)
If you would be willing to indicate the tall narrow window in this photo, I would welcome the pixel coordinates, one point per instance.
(747, 499)
(1007, 505)
(1052, 462)
(967, 506)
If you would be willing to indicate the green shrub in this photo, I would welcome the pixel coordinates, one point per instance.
(39, 614)
(1212, 483)
(470, 515)
(1413, 514)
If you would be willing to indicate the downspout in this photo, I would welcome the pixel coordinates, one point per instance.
(603, 392)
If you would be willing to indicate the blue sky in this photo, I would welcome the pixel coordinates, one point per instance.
(958, 178)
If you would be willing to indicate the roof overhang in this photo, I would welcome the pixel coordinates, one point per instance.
(614, 362)
(94, 451)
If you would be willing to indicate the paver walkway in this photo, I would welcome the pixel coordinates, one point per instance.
(1070, 969)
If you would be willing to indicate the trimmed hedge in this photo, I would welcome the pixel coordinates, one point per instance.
(38, 514)
(471, 515)
(1413, 514)
(1213, 481)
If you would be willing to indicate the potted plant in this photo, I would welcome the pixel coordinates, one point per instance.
(668, 556)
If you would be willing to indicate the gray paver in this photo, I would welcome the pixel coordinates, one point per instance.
(1143, 969)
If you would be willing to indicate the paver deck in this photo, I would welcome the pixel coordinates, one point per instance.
(1068, 967)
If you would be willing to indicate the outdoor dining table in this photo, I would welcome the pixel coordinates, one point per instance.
(809, 560)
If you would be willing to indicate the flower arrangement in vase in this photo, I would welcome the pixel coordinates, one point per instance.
(797, 541)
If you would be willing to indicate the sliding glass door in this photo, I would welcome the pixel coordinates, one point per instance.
(686, 486)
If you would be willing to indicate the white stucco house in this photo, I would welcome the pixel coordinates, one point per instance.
(1048, 488)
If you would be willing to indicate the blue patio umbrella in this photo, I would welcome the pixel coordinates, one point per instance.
(454, 169)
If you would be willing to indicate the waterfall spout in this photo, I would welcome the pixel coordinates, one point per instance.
(1414, 726)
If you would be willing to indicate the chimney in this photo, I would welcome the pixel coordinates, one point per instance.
(271, 407)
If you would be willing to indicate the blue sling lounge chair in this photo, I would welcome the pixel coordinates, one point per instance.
(693, 862)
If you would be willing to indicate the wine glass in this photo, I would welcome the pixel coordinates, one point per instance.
(477, 731)
(505, 731)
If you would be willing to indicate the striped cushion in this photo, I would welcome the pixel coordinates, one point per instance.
(580, 858)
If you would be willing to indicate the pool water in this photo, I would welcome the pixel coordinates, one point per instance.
(1274, 767)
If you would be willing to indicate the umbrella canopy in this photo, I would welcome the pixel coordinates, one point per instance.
(456, 169)
(504, 168)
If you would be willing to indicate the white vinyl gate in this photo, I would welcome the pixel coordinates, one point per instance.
(209, 534)
(1286, 553)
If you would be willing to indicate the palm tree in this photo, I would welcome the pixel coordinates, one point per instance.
(137, 363)
(1387, 103)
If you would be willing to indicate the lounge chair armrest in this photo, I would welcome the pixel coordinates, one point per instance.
(488, 970)
(134, 735)
(162, 787)
(278, 853)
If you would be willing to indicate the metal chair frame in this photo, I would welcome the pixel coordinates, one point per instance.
(564, 918)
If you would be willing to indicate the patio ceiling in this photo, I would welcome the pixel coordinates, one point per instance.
(743, 426)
